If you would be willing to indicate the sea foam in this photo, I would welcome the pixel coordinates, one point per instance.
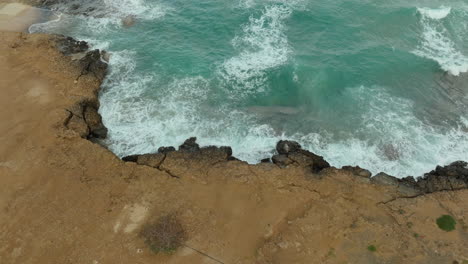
(437, 44)
(263, 46)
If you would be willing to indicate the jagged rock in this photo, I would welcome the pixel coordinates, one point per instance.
(282, 160)
(166, 149)
(291, 152)
(267, 160)
(94, 121)
(285, 146)
(358, 171)
(190, 145)
(68, 45)
(91, 63)
(385, 179)
(451, 177)
(215, 153)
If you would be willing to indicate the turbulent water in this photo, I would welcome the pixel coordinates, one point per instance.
(369, 83)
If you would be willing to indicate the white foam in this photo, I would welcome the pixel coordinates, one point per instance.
(437, 13)
(436, 43)
(263, 46)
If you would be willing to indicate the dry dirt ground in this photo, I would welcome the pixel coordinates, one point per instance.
(64, 199)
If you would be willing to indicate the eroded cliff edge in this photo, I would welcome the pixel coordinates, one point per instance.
(66, 199)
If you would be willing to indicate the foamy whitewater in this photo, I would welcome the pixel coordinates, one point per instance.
(381, 85)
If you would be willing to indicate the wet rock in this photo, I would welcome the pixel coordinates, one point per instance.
(190, 145)
(94, 121)
(267, 160)
(166, 149)
(358, 171)
(291, 152)
(285, 146)
(68, 45)
(91, 63)
(105, 56)
(385, 179)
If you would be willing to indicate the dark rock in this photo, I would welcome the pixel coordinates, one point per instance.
(282, 160)
(190, 145)
(68, 45)
(385, 179)
(291, 152)
(358, 171)
(131, 158)
(91, 63)
(215, 153)
(267, 160)
(166, 149)
(451, 177)
(94, 121)
(285, 146)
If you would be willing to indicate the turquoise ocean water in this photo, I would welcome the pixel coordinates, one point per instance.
(360, 82)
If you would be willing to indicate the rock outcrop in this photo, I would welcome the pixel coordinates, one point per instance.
(84, 117)
(291, 153)
(448, 178)
(189, 151)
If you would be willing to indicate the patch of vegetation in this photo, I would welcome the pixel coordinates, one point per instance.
(372, 248)
(331, 253)
(401, 211)
(446, 223)
(416, 235)
(164, 235)
(409, 224)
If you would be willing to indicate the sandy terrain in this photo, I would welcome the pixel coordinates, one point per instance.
(65, 199)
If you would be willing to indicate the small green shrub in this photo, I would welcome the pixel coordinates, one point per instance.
(164, 235)
(416, 235)
(372, 248)
(446, 223)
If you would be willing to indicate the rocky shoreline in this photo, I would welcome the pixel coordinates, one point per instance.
(87, 122)
(61, 192)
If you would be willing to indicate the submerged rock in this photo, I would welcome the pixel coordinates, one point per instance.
(291, 152)
(128, 21)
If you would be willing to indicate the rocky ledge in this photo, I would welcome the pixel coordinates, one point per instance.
(83, 117)
(291, 154)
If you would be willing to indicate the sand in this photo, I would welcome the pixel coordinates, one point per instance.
(19, 17)
(64, 199)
